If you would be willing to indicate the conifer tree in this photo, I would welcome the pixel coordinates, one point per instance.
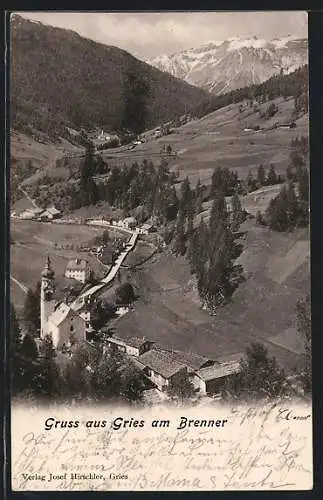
(272, 176)
(303, 311)
(31, 313)
(292, 207)
(218, 214)
(198, 197)
(303, 186)
(261, 175)
(251, 182)
(260, 376)
(48, 382)
(283, 210)
(179, 243)
(237, 213)
(28, 348)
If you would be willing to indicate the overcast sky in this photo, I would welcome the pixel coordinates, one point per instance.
(150, 34)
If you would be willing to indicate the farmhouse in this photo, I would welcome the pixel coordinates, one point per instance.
(212, 379)
(49, 214)
(31, 213)
(161, 368)
(133, 346)
(129, 223)
(78, 269)
(147, 228)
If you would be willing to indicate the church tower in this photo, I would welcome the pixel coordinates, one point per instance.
(47, 302)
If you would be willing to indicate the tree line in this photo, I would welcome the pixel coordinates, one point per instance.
(290, 209)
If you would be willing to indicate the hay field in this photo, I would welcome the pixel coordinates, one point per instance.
(220, 139)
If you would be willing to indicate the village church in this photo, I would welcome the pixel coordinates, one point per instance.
(57, 319)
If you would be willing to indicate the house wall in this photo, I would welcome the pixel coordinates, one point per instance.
(80, 275)
(177, 375)
(86, 315)
(157, 379)
(198, 383)
(117, 347)
(72, 327)
(163, 382)
(132, 351)
(215, 386)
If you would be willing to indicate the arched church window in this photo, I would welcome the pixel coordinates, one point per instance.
(71, 328)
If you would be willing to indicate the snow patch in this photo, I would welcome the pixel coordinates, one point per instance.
(255, 43)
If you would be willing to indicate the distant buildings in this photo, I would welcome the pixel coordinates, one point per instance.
(49, 213)
(147, 228)
(78, 269)
(127, 223)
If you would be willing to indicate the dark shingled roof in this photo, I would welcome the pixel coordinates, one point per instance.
(76, 264)
(219, 371)
(130, 341)
(193, 361)
(161, 362)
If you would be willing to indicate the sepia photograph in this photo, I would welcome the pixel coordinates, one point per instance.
(160, 251)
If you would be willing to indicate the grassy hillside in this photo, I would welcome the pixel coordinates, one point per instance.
(59, 78)
(276, 269)
(220, 138)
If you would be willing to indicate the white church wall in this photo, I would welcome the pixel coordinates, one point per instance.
(71, 328)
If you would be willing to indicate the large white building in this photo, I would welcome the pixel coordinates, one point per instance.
(78, 269)
(64, 325)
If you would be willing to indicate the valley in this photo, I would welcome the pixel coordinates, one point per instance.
(168, 310)
(174, 207)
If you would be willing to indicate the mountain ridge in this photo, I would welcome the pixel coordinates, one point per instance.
(222, 66)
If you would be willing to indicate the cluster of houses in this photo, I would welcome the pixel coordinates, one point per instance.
(37, 213)
(131, 224)
(163, 366)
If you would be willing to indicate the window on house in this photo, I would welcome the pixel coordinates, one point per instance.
(71, 328)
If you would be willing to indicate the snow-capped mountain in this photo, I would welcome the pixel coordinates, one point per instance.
(227, 65)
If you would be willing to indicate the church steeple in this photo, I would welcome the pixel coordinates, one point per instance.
(48, 271)
(47, 301)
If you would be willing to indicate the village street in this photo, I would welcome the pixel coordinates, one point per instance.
(109, 277)
(78, 303)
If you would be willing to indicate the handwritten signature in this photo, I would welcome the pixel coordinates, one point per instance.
(267, 454)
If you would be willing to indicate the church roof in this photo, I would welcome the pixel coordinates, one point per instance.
(60, 313)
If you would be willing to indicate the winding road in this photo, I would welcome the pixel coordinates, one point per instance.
(78, 303)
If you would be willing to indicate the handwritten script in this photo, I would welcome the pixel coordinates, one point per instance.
(258, 448)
